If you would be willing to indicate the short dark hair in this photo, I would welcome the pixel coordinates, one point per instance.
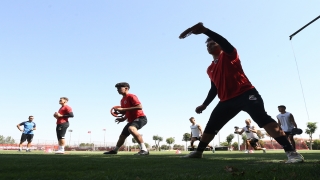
(65, 98)
(122, 84)
(283, 106)
(30, 116)
(191, 118)
(209, 39)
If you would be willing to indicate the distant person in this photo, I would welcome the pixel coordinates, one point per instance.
(132, 107)
(27, 133)
(62, 116)
(196, 133)
(287, 123)
(252, 137)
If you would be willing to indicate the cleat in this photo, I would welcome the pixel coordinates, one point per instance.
(264, 150)
(28, 150)
(59, 152)
(19, 150)
(111, 152)
(194, 154)
(294, 157)
(142, 152)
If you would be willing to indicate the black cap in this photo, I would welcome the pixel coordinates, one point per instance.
(123, 84)
(283, 106)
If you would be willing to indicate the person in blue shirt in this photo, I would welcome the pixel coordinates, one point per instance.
(27, 132)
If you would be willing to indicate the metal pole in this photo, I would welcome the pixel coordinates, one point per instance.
(104, 138)
(238, 143)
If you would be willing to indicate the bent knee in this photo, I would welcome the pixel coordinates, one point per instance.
(132, 129)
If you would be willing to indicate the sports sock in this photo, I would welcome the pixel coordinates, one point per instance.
(283, 141)
(116, 149)
(62, 148)
(202, 146)
(143, 147)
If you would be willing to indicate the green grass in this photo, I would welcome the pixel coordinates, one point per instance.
(158, 165)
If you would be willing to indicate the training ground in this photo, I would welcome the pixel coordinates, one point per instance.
(158, 165)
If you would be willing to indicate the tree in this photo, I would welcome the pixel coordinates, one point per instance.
(224, 143)
(165, 147)
(170, 141)
(147, 145)
(157, 139)
(178, 147)
(244, 139)
(186, 137)
(229, 139)
(6, 140)
(311, 129)
(1, 139)
(316, 144)
(235, 146)
(260, 134)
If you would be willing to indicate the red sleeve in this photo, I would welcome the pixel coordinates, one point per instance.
(232, 56)
(69, 109)
(134, 101)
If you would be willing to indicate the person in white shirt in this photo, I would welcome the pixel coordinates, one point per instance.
(287, 123)
(252, 137)
(196, 133)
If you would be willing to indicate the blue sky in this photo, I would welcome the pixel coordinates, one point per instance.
(81, 49)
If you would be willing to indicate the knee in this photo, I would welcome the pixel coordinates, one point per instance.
(132, 129)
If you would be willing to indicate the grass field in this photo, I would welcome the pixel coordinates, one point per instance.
(158, 165)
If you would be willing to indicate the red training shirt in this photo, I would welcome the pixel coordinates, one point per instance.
(227, 74)
(64, 110)
(131, 100)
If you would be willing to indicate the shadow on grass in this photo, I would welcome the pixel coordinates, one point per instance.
(158, 165)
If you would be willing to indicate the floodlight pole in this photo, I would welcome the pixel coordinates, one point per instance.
(70, 131)
(104, 138)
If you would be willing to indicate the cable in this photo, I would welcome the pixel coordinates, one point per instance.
(304, 99)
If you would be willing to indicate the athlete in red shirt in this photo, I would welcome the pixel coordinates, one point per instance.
(236, 94)
(62, 116)
(132, 107)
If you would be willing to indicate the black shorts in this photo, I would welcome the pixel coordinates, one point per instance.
(27, 137)
(61, 130)
(250, 102)
(138, 123)
(197, 138)
(253, 142)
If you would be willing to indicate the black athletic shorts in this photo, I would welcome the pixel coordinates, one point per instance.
(197, 138)
(27, 137)
(253, 142)
(138, 123)
(250, 102)
(61, 130)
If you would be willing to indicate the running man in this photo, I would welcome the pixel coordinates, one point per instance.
(287, 123)
(62, 116)
(236, 93)
(196, 133)
(27, 133)
(131, 106)
(252, 137)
